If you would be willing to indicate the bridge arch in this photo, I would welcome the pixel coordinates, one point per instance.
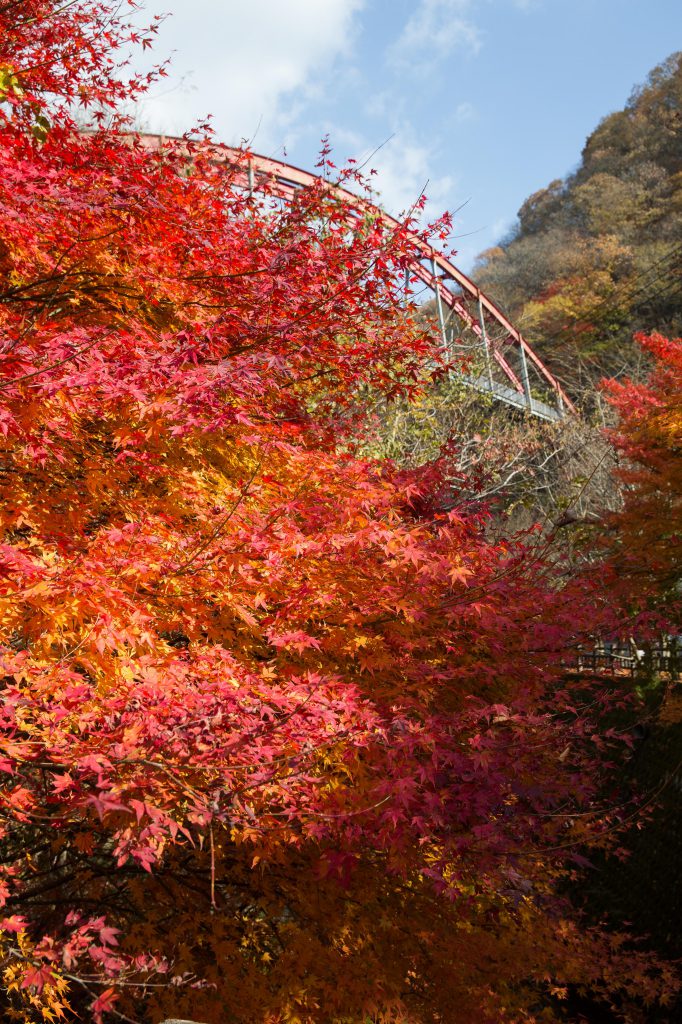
(509, 370)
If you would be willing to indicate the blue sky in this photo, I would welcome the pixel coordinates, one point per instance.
(486, 100)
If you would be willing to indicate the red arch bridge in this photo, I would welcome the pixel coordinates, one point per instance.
(504, 365)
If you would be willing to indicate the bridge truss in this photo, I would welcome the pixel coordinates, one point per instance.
(502, 363)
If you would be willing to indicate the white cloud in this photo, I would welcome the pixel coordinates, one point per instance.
(251, 63)
(437, 28)
(465, 112)
(403, 170)
(433, 31)
(379, 104)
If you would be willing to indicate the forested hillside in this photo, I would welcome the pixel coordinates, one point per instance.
(597, 256)
(594, 259)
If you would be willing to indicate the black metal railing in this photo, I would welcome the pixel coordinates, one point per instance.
(630, 657)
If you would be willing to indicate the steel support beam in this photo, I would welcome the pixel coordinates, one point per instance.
(524, 374)
(486, 343)
(439, 302)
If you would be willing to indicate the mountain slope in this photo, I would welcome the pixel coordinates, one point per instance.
(598, 255)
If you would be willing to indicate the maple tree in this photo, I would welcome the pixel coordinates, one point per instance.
(283, 733)
(644, 536)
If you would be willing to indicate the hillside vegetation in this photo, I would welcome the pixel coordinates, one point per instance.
(596, 256)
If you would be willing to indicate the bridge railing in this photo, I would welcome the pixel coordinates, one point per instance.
(629, 658)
